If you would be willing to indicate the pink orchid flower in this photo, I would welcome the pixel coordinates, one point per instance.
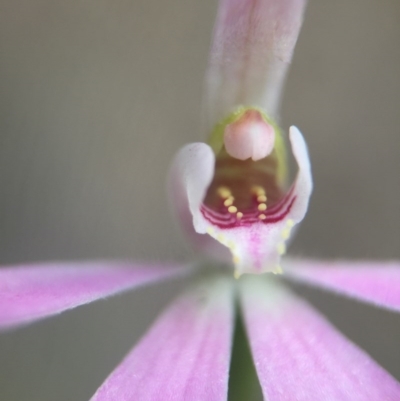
(234, 201)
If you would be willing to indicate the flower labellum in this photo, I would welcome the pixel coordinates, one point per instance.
(245, 205)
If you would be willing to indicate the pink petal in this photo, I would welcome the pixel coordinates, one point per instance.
(252, 49)
(31, 292)
(375, 282)
(299, 356)
(184, 356)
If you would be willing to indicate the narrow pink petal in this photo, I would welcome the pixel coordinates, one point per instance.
(184, 356)
(31, 292)
(299, 356)
(374, 282)
(251, 51)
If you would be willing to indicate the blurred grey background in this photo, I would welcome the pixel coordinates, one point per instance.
(96, 96)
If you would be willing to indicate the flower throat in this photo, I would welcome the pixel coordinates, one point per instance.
(250, 172)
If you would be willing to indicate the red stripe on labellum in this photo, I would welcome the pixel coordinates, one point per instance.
(225, 220)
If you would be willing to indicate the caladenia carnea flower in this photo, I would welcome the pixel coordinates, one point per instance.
(237, 203)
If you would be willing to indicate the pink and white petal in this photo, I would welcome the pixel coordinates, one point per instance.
(299, 356)
(185, 355)
(258, 248)
(190, 175)
(374, 282)
(32, 292)
(251, 51)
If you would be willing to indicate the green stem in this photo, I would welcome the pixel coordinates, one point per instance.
(243, 380)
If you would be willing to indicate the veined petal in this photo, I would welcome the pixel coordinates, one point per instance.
(374, 282)
(299, 356)
(251, 51)
(255, 241)
(31, 292)
(184, 356)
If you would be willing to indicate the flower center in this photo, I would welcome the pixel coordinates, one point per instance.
(250, 172)
(249, 137)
